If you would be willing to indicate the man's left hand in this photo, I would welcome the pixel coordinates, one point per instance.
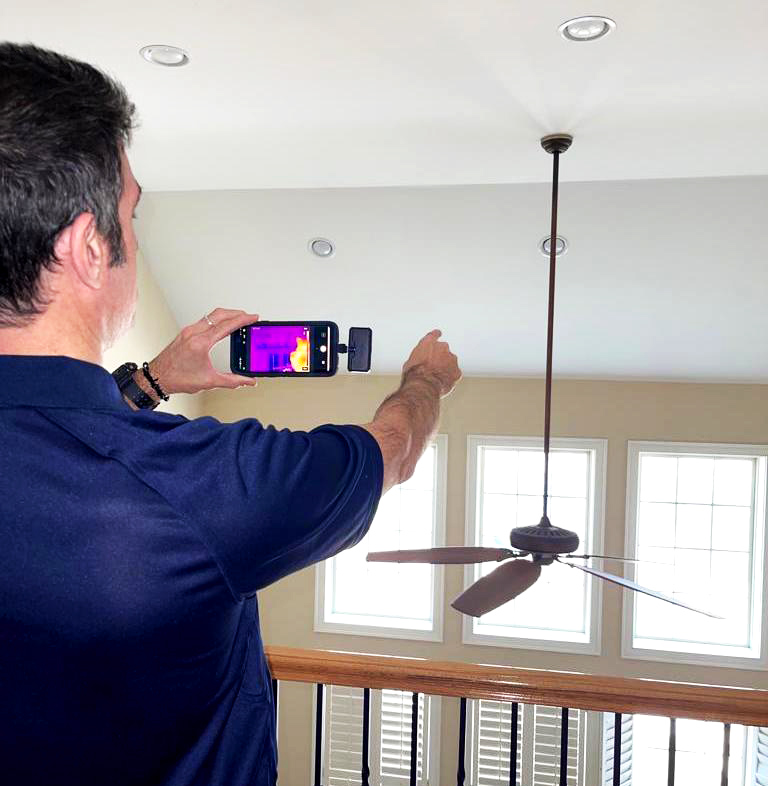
(184, 366)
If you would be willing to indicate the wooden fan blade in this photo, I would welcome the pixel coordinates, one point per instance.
(498, 587)
(600, 556)
(447, 555)
(638, 588)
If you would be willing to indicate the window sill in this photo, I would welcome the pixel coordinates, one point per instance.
(749, 663)
(347, 629)
(508, 642)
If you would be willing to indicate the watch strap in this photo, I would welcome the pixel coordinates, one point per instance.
(128, 387)
(138, 396)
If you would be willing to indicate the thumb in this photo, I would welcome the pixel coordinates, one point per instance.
(232, 381)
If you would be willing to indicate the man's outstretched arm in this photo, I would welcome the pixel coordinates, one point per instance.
(406, 421)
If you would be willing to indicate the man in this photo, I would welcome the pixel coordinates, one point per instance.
(132, 543)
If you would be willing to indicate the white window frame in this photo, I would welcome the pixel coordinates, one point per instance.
(321, 625)
(599, 448)
(760, 559)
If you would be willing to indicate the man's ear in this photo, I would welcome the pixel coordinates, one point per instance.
(81, 247)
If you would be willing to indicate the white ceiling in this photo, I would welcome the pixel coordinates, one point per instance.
(322, 102)
(285, 93)
(663, 279)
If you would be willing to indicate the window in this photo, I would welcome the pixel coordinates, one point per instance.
(505, 491)
(698, 752)
(644, 748)
(391, 599)
(696, 516)
(390, 738)
(538, 744)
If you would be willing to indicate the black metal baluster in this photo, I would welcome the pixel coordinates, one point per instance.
(726, 753)
(274, 707)
(513, 746)
(617, 749)
(461, 773)
(274, 702)
(564, 748)
(366, 771)
(414, 736)
(672, 751)
(319, 735)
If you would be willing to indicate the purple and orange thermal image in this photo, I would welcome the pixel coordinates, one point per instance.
(280, 348)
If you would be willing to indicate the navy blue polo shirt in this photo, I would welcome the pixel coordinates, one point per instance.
(132, 545)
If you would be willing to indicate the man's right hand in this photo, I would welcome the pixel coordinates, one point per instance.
(406, 421)
(433, 359)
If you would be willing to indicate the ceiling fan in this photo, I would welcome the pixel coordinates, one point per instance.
(544, 543)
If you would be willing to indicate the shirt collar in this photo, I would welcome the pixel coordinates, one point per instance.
(56, 381)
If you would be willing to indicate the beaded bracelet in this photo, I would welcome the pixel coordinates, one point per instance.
(155, 384)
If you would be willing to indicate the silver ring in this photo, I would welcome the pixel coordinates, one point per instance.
(209, 320)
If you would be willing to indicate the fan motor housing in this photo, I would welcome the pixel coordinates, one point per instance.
(544, 540)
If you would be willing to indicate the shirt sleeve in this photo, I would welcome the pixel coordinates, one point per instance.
(266, 502)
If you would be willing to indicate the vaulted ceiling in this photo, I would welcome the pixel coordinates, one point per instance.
(283, 99)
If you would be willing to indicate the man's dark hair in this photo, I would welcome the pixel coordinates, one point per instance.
(63, 124)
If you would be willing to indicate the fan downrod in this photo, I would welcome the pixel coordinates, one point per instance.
(556, 143)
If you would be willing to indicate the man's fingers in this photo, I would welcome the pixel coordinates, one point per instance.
(232, 381)
(217, 316)
(209, 319)
(222, 314)
(223, 328)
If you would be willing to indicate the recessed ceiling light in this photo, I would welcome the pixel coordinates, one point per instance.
(561, 246)
(586, 28)
(321, 247)
(164, 55)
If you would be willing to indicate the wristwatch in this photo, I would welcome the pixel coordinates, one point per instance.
(124, 378)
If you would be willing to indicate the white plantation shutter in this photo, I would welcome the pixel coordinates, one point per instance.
(538, 745)
(491, 746)
(343, 736)
(609, 724)
(761, 756)
(395, 750)
(546, 746)
(390, 742)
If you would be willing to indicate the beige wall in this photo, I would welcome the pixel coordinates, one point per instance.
(155, 327)
(616, 411)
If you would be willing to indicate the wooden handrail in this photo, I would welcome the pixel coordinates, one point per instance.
(530, 686)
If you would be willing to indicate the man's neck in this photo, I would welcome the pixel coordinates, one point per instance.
(44, 336)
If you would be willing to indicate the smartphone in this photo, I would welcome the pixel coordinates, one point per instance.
(285, 349)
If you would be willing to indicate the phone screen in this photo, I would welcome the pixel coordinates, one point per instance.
(285, 349)
(280, 348)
